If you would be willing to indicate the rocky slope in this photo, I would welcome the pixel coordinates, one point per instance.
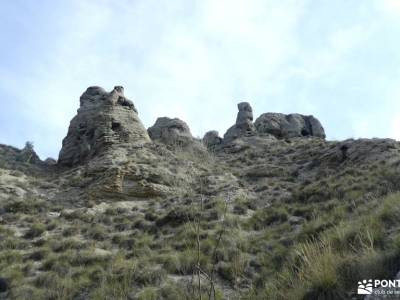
(130, 213)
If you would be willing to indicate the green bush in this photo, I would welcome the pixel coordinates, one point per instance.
(267, 217)
(26, 206)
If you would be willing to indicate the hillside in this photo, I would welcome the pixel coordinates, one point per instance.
(272, 210)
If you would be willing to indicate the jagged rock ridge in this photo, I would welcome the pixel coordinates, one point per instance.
(110, 119)
(128, 202)
(275, 124)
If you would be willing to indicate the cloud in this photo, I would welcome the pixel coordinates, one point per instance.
(391, 7)
(228, 55)
(195, 60)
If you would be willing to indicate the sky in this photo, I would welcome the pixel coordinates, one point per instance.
(196, 59)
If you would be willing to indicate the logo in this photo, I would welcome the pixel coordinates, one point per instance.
(365, 287)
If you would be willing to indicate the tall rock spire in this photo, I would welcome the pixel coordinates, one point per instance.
(104, 119)
(244, 123)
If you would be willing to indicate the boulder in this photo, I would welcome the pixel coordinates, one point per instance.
(170, 131)
(212, 139)
(316, 127)
(244, 123)
(50, 161)
(289, 126)
(103, 120)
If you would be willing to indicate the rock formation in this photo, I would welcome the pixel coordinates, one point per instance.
(289, 126)
(170, 131)
(276, 124)
(117, 202)
(212, 139)
(244, 123)
(50, 161)
(104, 119)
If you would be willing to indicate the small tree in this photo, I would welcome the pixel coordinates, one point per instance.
(28, 146)
(28, 152)
(197, 270)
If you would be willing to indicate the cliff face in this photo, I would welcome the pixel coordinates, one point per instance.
(135, 207)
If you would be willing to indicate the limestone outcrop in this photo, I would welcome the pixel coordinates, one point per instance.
(170, 131)
(211, 139)
(244, 123)
(104, 119)
(289, 126)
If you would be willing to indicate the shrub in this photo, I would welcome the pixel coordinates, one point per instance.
(36, 230)
(116, 282)
(61, 245)
(267, 217)
(39, 254)
(149, 275)
(26, 206)
(171, 263)
(97, 232)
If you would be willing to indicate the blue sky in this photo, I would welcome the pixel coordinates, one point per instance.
(338, 60)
